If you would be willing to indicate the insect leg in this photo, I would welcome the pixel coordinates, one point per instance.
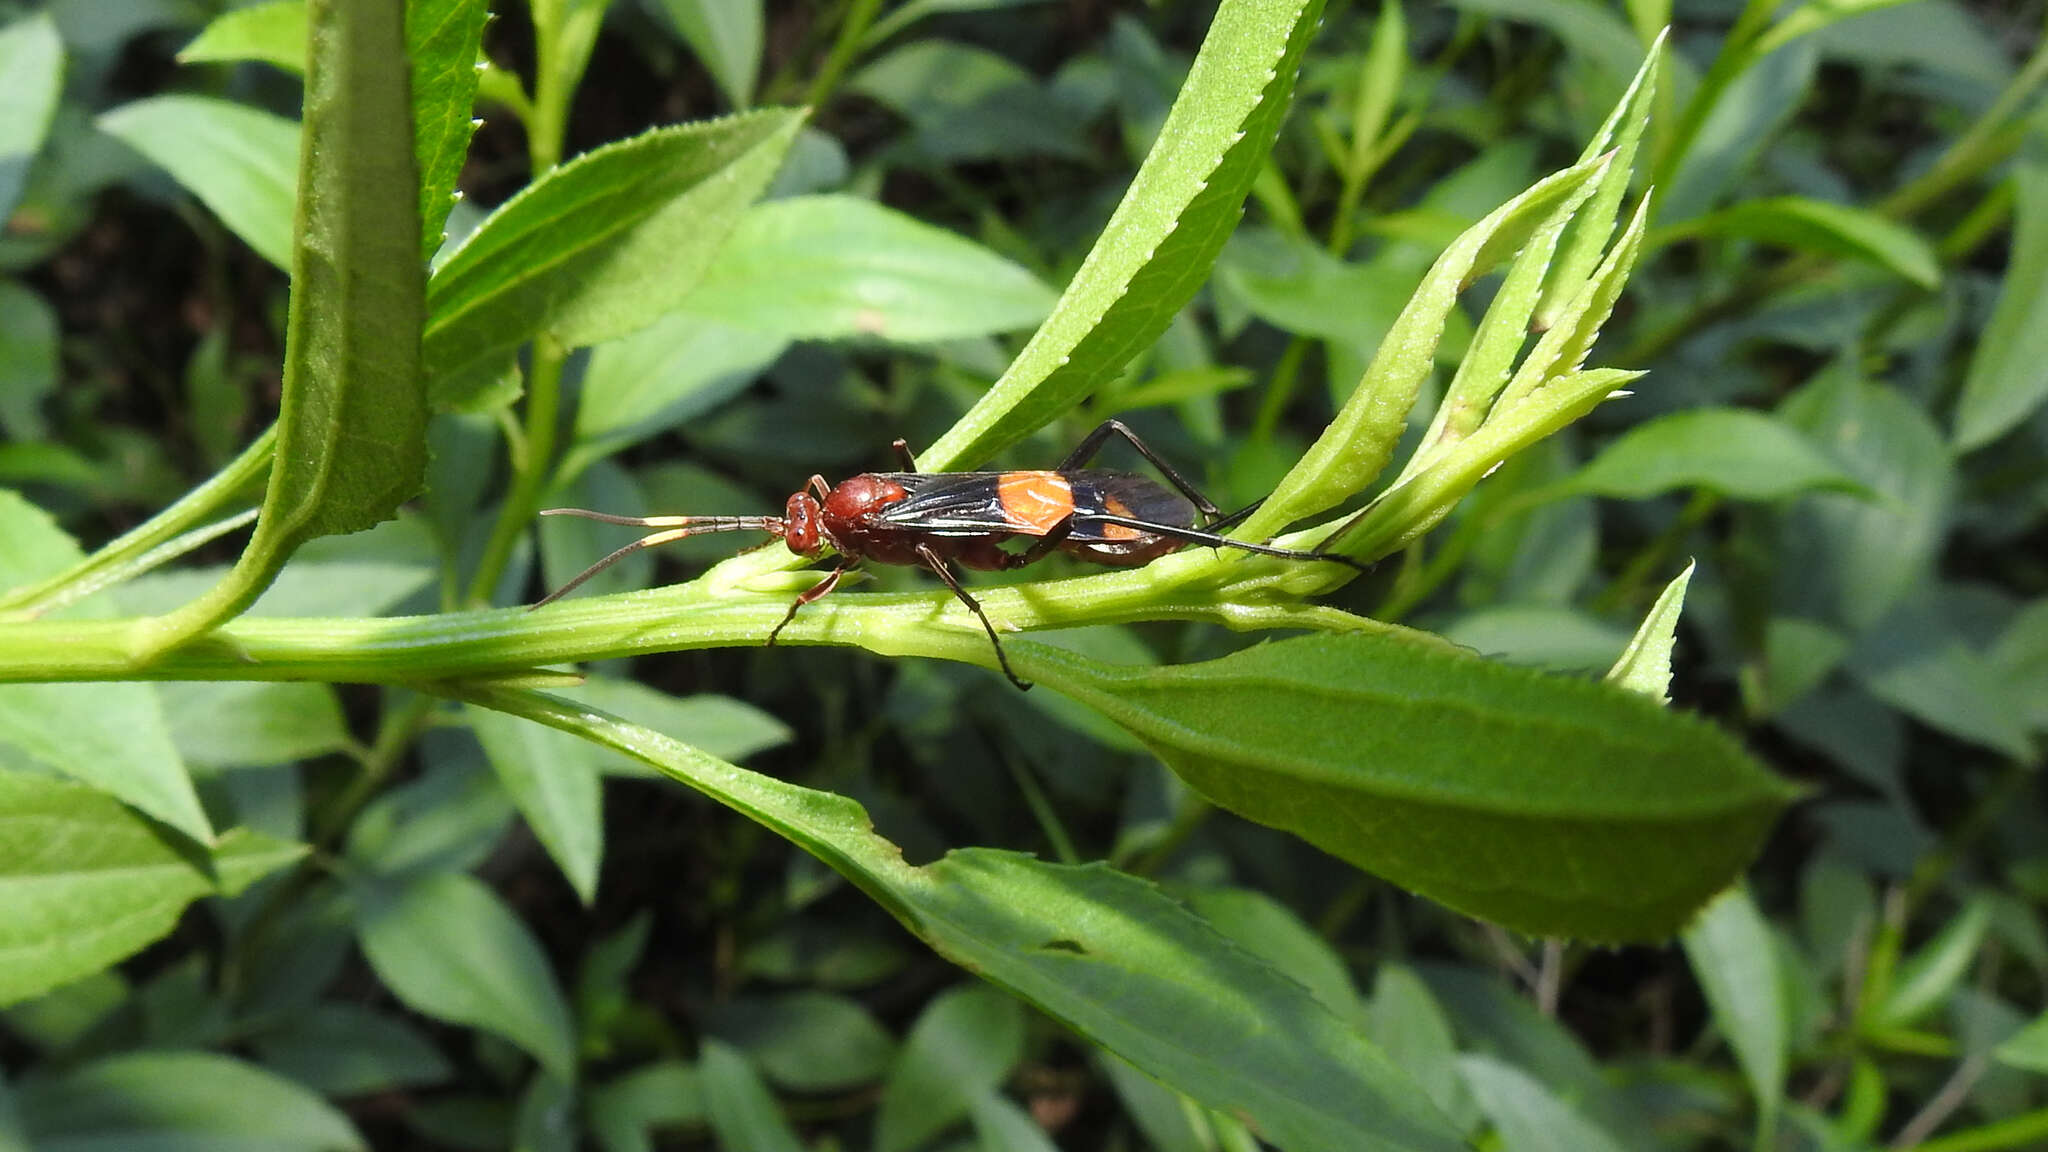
(1043, 546)
(903, 455)
(945, 572)
(1214, 540)
(818, 591)
(1092, 443)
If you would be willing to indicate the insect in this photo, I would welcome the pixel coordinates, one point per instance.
(937, 519)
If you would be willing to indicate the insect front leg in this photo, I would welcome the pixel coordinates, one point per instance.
(818, 591)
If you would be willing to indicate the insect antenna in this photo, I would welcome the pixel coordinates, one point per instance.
(673, 528)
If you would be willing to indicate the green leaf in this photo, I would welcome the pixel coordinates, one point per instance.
(547, 1117)
(1001, 1126)
(1735, 960)
(807, 1040)
(1405, 1020)
(665, 1094)
(1734, 452)
(2006, 383)
(1847, 560)
(111, 736)
(1356, 446)
(1526, 1116)
(32, 59)
(726, 36)
(1549, 805)
(238, 161)
(2020, 658)
(1822, 228)
(597, 248)
(1106, 953)
(449, 948)
(274, 33)
(1595, 33)
(1926, 981)
(1271, 931)
(553, 779)
(833, 267)
(969, 104)
(173, 1101)
(348, 1050)
(86, 881)
(2027, 1049)
(718, 725)
(963, 1045)
(28, 358)
(443, 38)
(351, 430)
(245, 723)
(1646, 666)
(1158, 246)
(668, 373)
(743, 1114)
(1919, 660)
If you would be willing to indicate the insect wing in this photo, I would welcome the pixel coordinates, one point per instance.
(1127, 495)
(947, 503)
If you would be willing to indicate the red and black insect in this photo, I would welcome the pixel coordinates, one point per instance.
(936, 519)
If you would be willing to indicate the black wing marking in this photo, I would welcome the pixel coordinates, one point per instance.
(947, 503)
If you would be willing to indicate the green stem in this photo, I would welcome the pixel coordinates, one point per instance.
(2027, 1130)
(1653, 557)
(1279, 391)
(845, 47)
(116, 560)
(532, 469)
(1989, 140)
(1737, 53)
(702, 614)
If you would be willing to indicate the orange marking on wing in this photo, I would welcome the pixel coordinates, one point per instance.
(1116, 507)
(1035, 501)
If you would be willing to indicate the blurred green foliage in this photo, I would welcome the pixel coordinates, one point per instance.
(1818, 232)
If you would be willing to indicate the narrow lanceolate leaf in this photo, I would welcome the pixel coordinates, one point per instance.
(86, 881)
(1553, 806)
(1358, 443)
(448, 947)
(273, 32)
(238, 161)
(726, 36)
(352, 429)
(1645, 666)
(834, 267)
(1733, 452)
(32, 60)
(2006, 383)
(1622, 134)
(1736, 963)
(169, 1100)
(443, 38)
(598, 247)
(1827, 229)
(553, 779)
(1106, 953)
(1158, 246)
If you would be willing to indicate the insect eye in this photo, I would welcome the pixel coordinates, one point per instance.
(801, 535)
